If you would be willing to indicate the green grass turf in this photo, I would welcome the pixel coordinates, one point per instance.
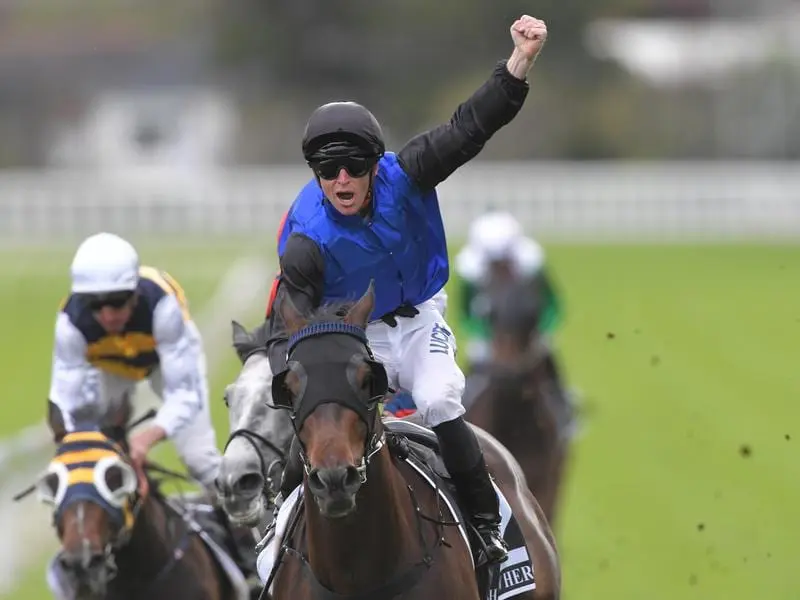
(684, 355)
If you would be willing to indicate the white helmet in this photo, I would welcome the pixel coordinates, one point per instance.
(105, 263)
(495, 234)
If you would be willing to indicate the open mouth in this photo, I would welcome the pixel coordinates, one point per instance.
(345, 198)
(248, 515)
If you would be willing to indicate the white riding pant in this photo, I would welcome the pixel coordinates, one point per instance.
(419, 355)
(196, 443)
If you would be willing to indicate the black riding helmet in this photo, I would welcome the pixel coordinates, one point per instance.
(342, 128)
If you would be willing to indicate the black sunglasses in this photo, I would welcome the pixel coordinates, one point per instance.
(356, 166)
(112, 300)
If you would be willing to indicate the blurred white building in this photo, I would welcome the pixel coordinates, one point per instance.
(149, 129)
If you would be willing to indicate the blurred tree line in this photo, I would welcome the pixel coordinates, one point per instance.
(412, 62)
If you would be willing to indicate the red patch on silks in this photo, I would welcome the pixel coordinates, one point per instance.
(272, 293)
(404, 412)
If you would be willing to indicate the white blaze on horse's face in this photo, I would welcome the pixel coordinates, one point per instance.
(250, 471)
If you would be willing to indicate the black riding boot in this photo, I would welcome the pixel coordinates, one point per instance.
(464, 460)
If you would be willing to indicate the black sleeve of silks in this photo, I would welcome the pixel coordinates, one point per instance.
(302, 279)
(431, 157)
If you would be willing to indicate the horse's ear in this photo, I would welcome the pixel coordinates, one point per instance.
(361, 310)
(291, 316)
(56, 421)
(239, 334)
(115, 425)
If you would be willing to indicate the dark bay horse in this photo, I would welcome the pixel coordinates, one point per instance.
(120, 537)
(370, 524)
(518, 395)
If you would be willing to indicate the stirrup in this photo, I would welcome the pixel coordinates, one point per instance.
(493, 549)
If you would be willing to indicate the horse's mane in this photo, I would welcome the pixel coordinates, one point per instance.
(327, 313)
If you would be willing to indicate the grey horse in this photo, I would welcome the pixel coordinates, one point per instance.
(254, 455)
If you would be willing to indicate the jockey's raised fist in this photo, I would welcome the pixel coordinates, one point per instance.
(529, 35)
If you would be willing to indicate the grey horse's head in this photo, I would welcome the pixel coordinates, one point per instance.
(260, 435)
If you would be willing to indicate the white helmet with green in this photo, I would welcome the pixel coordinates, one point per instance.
(105, 263)
(494, 235)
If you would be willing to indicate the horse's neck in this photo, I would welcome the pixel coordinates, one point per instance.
(383, 526)
(150, 546)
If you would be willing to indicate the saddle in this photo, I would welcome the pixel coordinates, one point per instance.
(210, 523)
(420, 441)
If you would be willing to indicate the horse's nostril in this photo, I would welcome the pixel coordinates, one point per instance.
(315, 482)
(352, 478)
(336, 479)
(97, 561)
(77, 563)
(249, 483)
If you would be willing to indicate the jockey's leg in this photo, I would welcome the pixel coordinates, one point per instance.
(441, 300)
(427, 351)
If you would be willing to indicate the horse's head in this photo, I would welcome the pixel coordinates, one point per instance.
(92, 488)
(514, 316)
(332, 387)
(254, 457)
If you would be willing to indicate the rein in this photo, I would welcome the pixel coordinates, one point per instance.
(254, 439)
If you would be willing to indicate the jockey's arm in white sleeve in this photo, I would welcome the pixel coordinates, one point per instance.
(180, 369)
(71, 386)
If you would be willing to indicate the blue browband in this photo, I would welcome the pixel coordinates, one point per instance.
(325, 328)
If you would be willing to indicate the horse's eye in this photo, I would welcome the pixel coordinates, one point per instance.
(366, 381)
(114, 477)
(49, 487)
(226, 395)
(51, 483)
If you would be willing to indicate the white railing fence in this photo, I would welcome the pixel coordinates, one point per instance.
(570, 201)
